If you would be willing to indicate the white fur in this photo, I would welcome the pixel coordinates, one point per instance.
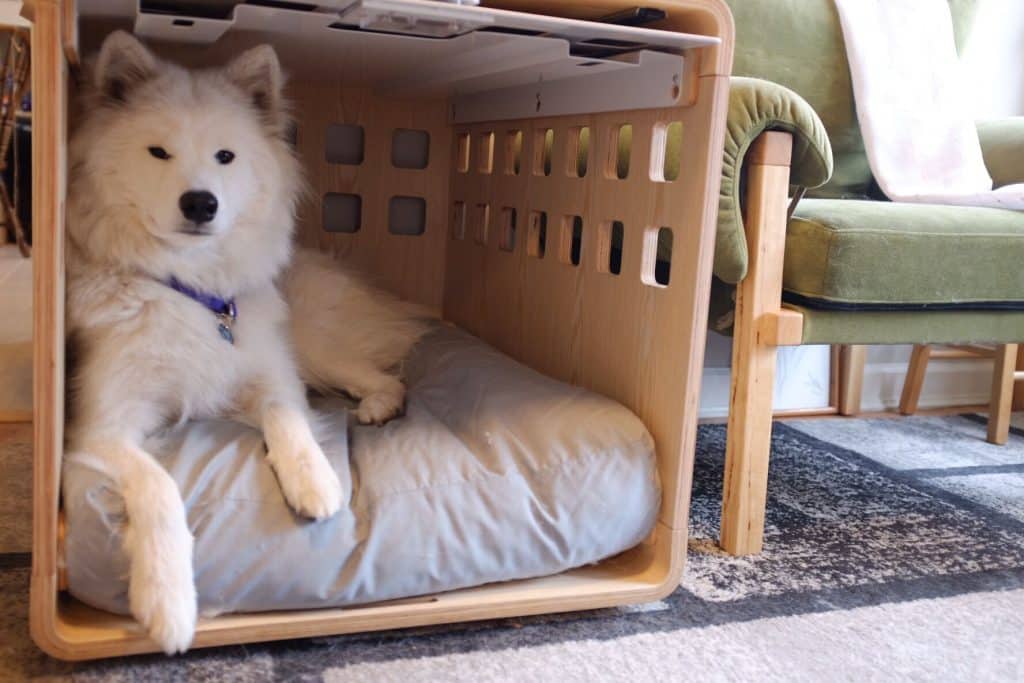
(149, 356)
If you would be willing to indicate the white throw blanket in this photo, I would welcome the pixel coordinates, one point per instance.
(912, 105)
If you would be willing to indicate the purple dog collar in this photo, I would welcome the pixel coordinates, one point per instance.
(224, 309)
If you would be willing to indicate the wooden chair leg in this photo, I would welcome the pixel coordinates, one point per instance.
(748, 441)
(748, 444)
(1002, 394)
(915, 378)
(851, 377)
(11, 218)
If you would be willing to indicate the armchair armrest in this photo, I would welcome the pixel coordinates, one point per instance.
(754, 107)
(1002, 145)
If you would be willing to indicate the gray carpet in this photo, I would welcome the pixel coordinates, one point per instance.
(894, 551)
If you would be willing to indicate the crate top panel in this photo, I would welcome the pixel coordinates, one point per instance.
(414, 47)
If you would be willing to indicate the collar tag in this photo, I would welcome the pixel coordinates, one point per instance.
(224, 309)
(225, 332)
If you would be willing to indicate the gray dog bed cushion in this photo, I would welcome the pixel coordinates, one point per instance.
(495, 472)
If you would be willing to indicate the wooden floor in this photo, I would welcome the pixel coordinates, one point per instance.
(15, 400)
(15, 335)
(15, 487)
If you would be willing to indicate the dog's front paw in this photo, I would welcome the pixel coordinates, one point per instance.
(379, 407)
(309, 483)
(169, 618)
(162, 595)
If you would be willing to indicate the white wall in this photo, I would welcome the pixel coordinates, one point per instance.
(10, 13)
(994, 59)
(946, 383)
(801, 381)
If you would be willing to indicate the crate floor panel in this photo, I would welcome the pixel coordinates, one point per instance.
(495, 473)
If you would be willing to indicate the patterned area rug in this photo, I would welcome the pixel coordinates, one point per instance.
(894, 550)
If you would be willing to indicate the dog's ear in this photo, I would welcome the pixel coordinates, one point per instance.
(257, 72)
(123, 64)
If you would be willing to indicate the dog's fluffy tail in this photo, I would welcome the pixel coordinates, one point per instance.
(338, 321)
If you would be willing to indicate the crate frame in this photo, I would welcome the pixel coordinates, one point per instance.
(620, 335)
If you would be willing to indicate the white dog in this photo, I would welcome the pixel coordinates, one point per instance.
(181, 205)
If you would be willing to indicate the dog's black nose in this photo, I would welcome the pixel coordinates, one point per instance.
(198, 206)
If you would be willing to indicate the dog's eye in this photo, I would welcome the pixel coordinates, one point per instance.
(159, 153)
(225, 156)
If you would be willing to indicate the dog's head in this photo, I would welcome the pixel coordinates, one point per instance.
(184, 173)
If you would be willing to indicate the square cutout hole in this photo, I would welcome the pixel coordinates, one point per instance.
(543, 146)
(344, 144)
(666, 151)
(610, 247)
(513, 152)
(410, 148)
(570, 245)
(537, 237)
(459, 221)
(507, 240)
(407, 215)
(342, 212)
(657, 257)
(579, 151)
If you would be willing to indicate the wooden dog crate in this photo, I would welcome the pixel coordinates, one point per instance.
(450, 164)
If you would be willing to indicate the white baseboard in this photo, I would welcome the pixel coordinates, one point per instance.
(946, 383)
(803, 383)
(714, 393)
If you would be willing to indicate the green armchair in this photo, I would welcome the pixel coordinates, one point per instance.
(845, 266)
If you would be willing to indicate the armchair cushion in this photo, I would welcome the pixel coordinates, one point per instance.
(754, 107)
(911, 327)
(1002, 144)
(854, 255)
